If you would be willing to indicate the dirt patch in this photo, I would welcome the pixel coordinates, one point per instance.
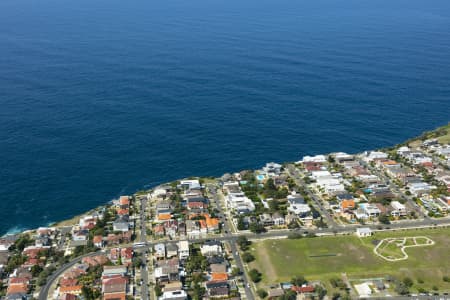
(265, 263)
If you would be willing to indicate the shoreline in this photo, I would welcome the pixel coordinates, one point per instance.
(73, 220)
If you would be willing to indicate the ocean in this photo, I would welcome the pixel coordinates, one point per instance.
(103, 98)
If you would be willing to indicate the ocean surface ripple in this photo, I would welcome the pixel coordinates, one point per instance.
(101, 98)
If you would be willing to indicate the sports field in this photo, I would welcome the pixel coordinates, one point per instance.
(326, 257)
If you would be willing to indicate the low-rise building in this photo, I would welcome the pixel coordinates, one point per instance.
(398, 209)
(183, 250)
(210, 248)
(363, 232)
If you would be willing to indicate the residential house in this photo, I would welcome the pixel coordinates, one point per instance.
(74, 290)
(190, 184)
(314, 159)
(347, 205)
(192, 229)
(217, 289)
(398, 209)
(210, 248)
(183, 250)
(275, 293)
(266, 219)
(278, 219)
(126, 255)
(174, 295)
(420, 188)
(114, 255)
(374, 155)
(112, 271)
(171, 250)
(171, 228)
(160, 251)
(272, 169)
(122, 223)
(98, 241)
(371, 210)
(80, 235)
(167, 270)
(159, 230)
(114, 287)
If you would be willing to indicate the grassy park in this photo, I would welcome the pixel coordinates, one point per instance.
(322, 258)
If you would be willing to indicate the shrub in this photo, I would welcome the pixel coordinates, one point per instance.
(255, 275)
(247, 257)
(261, 293)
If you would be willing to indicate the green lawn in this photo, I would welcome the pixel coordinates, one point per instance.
(390, 250)
(326, 257)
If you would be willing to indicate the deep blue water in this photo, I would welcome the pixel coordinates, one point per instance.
(101, 98)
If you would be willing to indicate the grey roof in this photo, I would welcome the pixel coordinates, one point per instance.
(171, 247)
(78, 243)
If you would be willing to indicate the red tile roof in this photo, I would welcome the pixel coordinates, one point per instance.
(68, 282)
(124, 200)
(303, 289)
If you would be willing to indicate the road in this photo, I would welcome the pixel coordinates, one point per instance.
(144, 270)
(232, 238)
(234, 250)
(43, 294)
(294, 173)
(339, 229)
(394, 188)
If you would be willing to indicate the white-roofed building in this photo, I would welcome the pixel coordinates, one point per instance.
(316, 159)
(372, 155)
(190, 184)
(398, 209)
(174, 295)
(363, 231)
(183, 249)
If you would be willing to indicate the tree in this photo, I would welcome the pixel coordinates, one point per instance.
(23, 241)
(36, 270)
(336, 296)
(408, 282)
(87, 293)
(243, 243)
(320, 223)
(401, 288)
(298, 280)
(240, 223)
(289, 295)
(270, 185)
(236, 271)
(255, 275)
(384, 219)
(158, 291)
(337, 283)
(446, 278)
(321, 291)
(257, 227)
(198, 291)
(137, 262)
(14, 262)
(247, 257)
(261, 293)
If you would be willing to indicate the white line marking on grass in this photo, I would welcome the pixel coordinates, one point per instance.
(401, 243)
